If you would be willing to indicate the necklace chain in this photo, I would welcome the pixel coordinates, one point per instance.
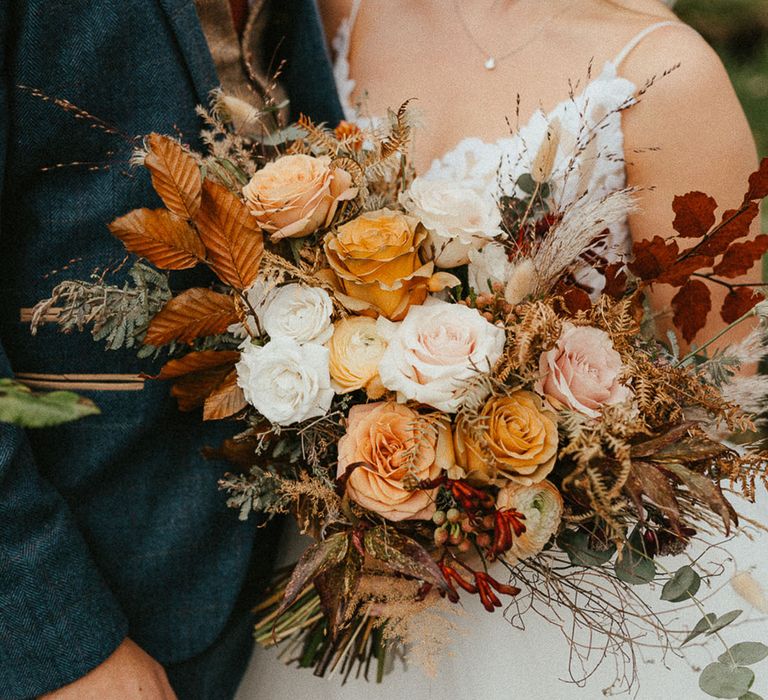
(490, 59)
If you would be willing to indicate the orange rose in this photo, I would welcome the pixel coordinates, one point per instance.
(297, 194)
(377, 263)
(394, 448)
(516, 440)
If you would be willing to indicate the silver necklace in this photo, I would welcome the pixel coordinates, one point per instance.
(490, 60)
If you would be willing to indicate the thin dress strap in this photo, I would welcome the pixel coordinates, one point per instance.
(342, 44)
(633, 43)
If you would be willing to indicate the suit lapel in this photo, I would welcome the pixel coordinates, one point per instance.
(185, 25)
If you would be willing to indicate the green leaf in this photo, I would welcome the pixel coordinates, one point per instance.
(701, 627)
(526, 183)
(403, 555)
(722, 681)
(751, 696)
(20, 406)
(317, 559)
(634, 566)
(575, 543)
(724, 621)
(683, 585)
(744, 654)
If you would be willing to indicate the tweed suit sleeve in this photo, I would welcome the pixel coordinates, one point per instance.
(58, 618)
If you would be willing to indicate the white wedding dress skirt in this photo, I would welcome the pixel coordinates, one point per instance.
(488, 659)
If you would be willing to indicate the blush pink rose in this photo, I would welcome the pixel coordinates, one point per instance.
(582, 372)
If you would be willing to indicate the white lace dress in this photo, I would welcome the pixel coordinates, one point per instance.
(488, 658)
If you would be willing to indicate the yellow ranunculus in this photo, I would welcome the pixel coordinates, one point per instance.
(516, 440)
(377, 263)
(355, 350)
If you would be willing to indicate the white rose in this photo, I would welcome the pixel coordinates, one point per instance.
(488, 266)
(436, 349)
(458, 218)
(284, 381)
(298, 312)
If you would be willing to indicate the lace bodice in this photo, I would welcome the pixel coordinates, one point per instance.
(590, 155)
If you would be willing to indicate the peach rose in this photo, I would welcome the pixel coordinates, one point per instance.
(396, 448)
(516, 440)
(582, 372)
(355, 351)
(542, 506)
(297, 194)
(377, 263)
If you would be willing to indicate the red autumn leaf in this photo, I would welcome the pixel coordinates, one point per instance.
(193, 389)
(758, 182)
(738, 301)
(192, 314)
(694, 214)
(652, 257)
(231, 235)
(175, 175)
(736, 224)
(197, 362)
(576, 299)
(680, 272)
(741, 257)
(615, 280)
(691, 306)
(161, 237)
(225, 400)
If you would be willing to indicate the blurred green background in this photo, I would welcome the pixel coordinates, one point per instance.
(738, 30)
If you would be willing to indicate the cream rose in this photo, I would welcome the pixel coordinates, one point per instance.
(298, 312)
(355, 351)
(285, 382)
(542, 506)
(393, 448)
(435, 351)
(514, 440)
(458, 218)
(295, 195)
(582, 372)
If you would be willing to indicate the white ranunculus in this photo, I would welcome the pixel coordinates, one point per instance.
(458, 218)
(298, 312)
(284, 381)
(435, 350)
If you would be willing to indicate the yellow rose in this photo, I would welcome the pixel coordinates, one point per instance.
(377, 263)
(355, 350)
(295, 195)
(516, 440)
(542, 506)
(393, 447)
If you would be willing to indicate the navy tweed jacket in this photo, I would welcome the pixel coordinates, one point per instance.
(112, 525)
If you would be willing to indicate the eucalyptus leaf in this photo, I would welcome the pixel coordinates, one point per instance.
(745, 654)
(701, 627)
(722, 681)
(723, 621)
(575, 543)
(526, 183)
(751, 696)
(683, 585)
(20, 406)
(634, 566)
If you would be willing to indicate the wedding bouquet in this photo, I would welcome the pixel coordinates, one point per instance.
(455, 393)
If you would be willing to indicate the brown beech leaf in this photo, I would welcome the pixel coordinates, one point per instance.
(197, 362)
(758, 182)
(615, 280)
(647, 482)
(225, 400)
(193, 389)
(736, 224)
(678, 274)
(691, 306)
(192, 314)
(741, 257)
(652, 257)
(161, 237)
(175, 175)
(231, 235)
(576, 299)
(241, 452)
(738, 301)
(694, 214)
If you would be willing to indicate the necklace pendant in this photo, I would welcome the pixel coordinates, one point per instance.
(490, 63)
